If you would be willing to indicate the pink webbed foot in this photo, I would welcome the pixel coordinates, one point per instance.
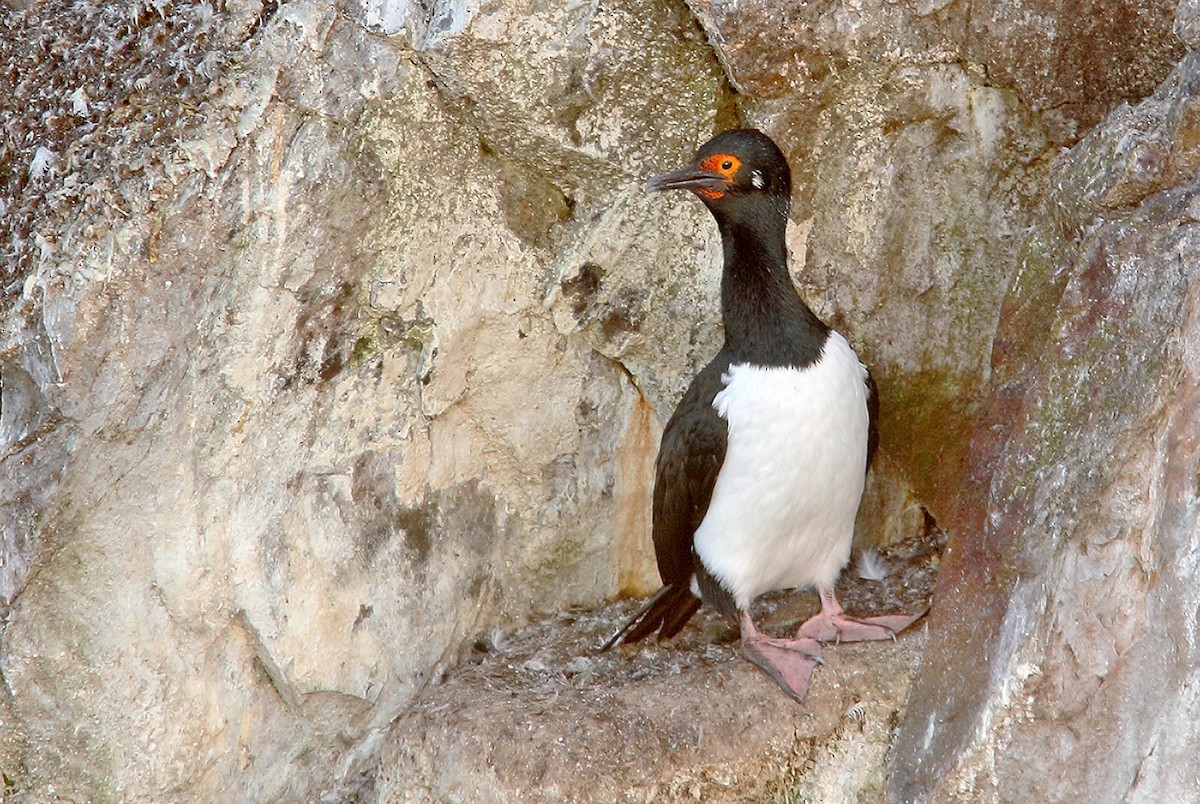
(832, 624)
(844, 628)
(789, 661)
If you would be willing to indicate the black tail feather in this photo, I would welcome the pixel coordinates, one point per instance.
(678, 618)
(667, 612)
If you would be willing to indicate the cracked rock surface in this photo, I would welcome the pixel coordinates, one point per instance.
(335, 336)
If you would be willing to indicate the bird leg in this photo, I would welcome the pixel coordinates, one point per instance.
(789, 661)
(833, 624)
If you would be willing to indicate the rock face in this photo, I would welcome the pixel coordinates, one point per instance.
(288, 414)
(1074, 573)
(334, 336)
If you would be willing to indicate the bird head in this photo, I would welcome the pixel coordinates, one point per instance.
(735, 168)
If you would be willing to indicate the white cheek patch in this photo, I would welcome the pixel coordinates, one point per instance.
(756, 178)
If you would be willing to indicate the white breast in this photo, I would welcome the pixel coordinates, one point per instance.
(783, 509)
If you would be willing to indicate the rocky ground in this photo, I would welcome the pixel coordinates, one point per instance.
(540, 714)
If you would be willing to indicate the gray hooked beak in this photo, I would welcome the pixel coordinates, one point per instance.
(689, 178)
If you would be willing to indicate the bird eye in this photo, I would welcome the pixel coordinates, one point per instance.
(727, 165)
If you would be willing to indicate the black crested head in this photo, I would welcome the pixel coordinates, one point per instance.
(732, 170)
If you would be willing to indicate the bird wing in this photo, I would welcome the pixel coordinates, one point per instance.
(689, 460)
(872, 418)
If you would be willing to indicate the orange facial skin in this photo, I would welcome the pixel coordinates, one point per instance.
(725, 164)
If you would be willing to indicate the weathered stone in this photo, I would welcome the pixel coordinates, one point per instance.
(1075, 60)
(540, 714)
(919, 133)
(539, 720)
(1187, 23)
(911, 170)
(1063, 650)
(288, 437)
(335, 336)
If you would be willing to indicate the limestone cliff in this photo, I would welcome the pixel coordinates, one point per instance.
(335, 336)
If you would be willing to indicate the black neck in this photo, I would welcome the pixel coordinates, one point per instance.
(766, 322)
